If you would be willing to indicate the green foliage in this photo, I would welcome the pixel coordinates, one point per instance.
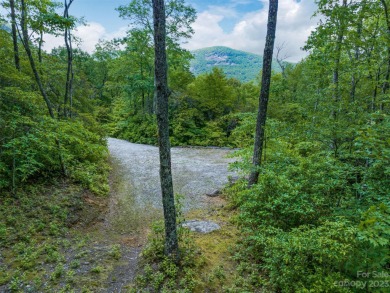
(137, 128)
(375, 226)
(212, 94)
(313, 219)
(34, 146)
(32, 213)
(115, 251)
(319, 215)
(47, 145)
(26, 231)
(178, 26)
(305, 258)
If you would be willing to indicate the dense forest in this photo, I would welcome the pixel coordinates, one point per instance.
(316, 220)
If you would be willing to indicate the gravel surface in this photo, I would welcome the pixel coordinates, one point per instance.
(196, 172)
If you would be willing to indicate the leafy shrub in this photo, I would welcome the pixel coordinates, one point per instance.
(34, 145)
(138, 128)
(307, 258)
(313, 219)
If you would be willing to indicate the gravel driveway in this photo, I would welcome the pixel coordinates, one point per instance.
(196, 172)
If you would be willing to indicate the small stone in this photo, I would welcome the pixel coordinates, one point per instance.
(201, 226)
(214, 194)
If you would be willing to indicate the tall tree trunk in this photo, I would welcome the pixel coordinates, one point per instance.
(372, 106)
(355, 58)
(387, 75)
(69, 74)
(40, 44)
(264, 93)
(14, 35)
(336, 70)
(162, 94)
(26, 44)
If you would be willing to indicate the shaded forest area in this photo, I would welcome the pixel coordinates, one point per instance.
(317, 217)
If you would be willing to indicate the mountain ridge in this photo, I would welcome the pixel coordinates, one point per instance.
(238, 64)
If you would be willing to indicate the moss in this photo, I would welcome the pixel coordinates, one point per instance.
(218, 270)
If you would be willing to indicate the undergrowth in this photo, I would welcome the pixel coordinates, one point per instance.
(33, 227)
(162, 274)
(40, 249)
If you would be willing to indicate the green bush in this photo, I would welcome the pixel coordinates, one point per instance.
(137, 128)
(308, 258)
(34, 146)
(313, 220)
(293, 191)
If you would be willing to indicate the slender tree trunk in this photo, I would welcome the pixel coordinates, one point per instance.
(69, 74)
(264, 93)
(40, 44)
(352, 92)
(356, 57)
(143, 90)
(162, 94)
(336, 70)
(372, 106)
(14, 35)
(26, 44)
(385, 86)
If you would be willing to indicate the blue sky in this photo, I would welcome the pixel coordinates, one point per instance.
(239, 24)
(103, 11)
(100, 11)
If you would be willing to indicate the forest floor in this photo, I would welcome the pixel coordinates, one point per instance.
(100, 250)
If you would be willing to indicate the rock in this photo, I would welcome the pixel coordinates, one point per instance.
(233, 179)
(214, 194)
(201, 226)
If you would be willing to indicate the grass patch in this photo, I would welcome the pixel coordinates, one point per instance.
(43, 247)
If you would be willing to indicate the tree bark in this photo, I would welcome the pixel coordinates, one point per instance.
(356, 57)
(385, 86)
(40, 44)
(69, 74)
(264, 93)
(336, 70)
(162, 94)
(26, 44)
(14, 35)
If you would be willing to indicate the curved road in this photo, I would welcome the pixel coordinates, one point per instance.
(136, 195)
(196, 172)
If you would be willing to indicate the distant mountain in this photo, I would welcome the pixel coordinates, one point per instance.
(5, 28)
(238, 64)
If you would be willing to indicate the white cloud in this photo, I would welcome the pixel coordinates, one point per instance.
(293, 27)
(226, 11)
(88, 37)
(248, 33)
